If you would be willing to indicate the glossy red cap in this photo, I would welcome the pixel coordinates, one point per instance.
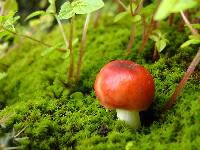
(123, 84)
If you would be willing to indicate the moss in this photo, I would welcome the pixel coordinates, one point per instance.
(61, 116)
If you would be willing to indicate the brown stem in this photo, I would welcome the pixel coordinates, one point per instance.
(189, 71)
(132, 35)
(33, 39)
(121, 5)
(150, 29)
(82, 46)
(133, 27)
(131, 7)
(2, 8)
(144, 24)
(62, 31)
(171, 19)
(188, 23)
(97, 17)
(155, 54)
(146, 36)
(139, 7)
(180, 86)
(71, 55)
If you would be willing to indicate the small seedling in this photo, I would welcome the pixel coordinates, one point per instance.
(69, 10)
(160, 43)
(132, 12)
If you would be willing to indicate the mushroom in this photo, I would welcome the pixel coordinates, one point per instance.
(127, 87)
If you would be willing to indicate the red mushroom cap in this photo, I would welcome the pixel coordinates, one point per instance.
(123, 84)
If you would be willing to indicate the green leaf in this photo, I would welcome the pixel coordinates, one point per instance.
(8, 21)
(66, 11)
(148, 10)
(160, 45)
(182, 5)
(52, 7)
(50, 49)
(79, 7)
(86, 6)
(173, 6)
(136, 18)
(2, 75)
(189, 42)
(154, 38)
(196, 37)
(75, 41)
(196, 26)
(4, 33)
(134, 6)
(165, 9)
(34, 14)
(120, 16)
(10, 6)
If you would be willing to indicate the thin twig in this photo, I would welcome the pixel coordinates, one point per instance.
(132, 35)
(2, 8)
(188, 23)
(131, 7)
(71, 55)
(171, 19)
(82, 45)
(133, 26)
(139, 7)
(187, 74)
(97, 16)
(180, 86)
(33, 39)
(62, 31)
(122, 4)
(150, 29)
(20, 131)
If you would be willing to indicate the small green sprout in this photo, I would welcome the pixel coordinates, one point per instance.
(159, 39)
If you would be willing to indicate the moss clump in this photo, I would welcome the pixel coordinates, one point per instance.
(39, 99)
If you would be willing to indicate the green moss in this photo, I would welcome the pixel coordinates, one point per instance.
(59, 116)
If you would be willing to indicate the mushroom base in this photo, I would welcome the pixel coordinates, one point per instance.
(131, 117)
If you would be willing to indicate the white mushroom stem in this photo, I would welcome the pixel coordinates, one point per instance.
(131, 117)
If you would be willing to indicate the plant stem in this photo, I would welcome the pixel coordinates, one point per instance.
(33, 39)
(147, 34)
(82, 45)
(130, 117)
(188, 23)
(2, 8)
(122, 4)
(62, 31)
(133, 26)
(71, 55)
(97, 16)
(189, 71)
(130, 43)
(150, 29)
(171, 19)
(131, 8)
(139, 7)
(180, 86)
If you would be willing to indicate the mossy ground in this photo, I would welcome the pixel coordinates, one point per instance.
(62, 116)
